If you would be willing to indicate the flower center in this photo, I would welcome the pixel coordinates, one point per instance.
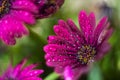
(86, 54)
(4, 7)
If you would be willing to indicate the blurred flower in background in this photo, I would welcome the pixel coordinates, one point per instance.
(13, 13)
(47, 7)
(20, 73)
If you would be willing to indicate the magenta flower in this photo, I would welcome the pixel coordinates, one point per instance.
(71, 51)
(13, 13)
(20, 73)
(47, 7)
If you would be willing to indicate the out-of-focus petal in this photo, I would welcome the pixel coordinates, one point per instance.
(26, 5)
(21, 73)
(47, 7)
(26, 16)
(13, 15)
(74, 74)
(11, 29)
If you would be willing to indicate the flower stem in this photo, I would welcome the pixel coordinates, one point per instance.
(52, 76)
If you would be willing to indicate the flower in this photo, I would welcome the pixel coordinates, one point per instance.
(13, 13)
(20, 73)
(47, 7)
(71, 51)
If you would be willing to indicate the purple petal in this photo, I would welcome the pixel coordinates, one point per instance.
(11, 29)
(72, 35)
(18, 68)
(102, 50)
(59, 30)
(82, 20)
(92, 21)
(84, 24)
(20, 73)
(33, 73)
(28, 68)
(104, 36)
(25, 5)
(78, 37)
(56, 40)
(74, 74)
(1, 78)
(87, 25)
(8, 72)
(60, 41)
(26, 16)
(60, 60)
(65, 33)
(73, 27)
(58, 48)
(32, 78)
(91, 25)
(68, 74)
(99, 28)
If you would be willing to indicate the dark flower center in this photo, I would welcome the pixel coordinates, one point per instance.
(4, 7)
(86, 54)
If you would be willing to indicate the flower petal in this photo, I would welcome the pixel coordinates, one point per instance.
(104, 36)
(10, 29)
(102, 50)
(33, 73)
(32, 78)
(91, 25)
(59, 30)
(74, 74)
(60, 41)
(76, 32)
(82, 20)
(87, 24)
(99, 29)
(25, 5)
(18, 68)
(24, 16)
(28, 68)
(58, 48)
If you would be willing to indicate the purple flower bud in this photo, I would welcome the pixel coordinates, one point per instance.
(47, 7)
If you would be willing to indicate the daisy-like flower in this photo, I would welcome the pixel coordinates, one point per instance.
(71, 50)
(20, 73)
(47, 7)
(13, 13)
